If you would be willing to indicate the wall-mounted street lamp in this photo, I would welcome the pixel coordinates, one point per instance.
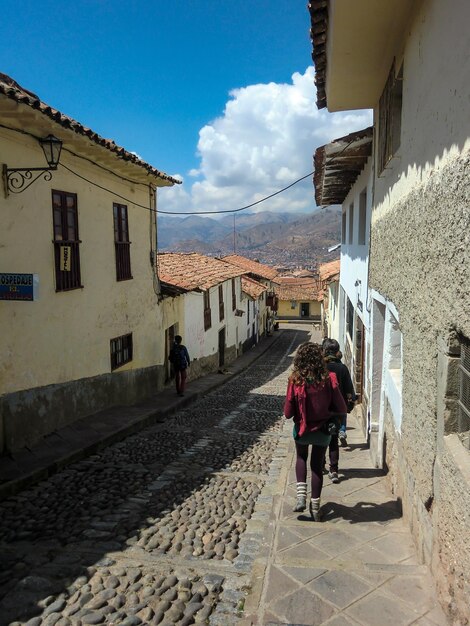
(17, 179)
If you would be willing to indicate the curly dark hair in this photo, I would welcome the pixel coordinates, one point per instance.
(309, 363)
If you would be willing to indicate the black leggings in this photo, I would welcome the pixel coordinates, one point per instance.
(317, 459)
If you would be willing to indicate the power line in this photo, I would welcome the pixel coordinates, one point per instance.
(243, 208)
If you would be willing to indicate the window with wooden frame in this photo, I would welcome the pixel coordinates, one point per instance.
(207, 310)
(234, 295)
(361, 236)
(351, 223)
(66, 241)
(122, 244)
(121, 350)
(390, 105)
(221, 303)
(349, 318)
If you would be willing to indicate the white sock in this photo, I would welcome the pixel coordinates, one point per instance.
(302, 490)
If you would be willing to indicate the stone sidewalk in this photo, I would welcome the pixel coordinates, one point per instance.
(357, 567)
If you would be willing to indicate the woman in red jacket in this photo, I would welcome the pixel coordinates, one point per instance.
(313, 396)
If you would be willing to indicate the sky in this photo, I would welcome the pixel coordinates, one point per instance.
(218, 94)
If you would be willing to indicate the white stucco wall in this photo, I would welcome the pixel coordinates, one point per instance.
(65, 336)
(203, 343)
(355, 257)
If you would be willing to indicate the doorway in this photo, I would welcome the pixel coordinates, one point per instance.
(169, 339)
(304, 309)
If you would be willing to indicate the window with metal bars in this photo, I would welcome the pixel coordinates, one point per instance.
(349, 318)
(122, 244)
(234, 295)
(207, 310)
(464, 394)
(390, 105)
(66, 241)
(221, 303)
(121, 350)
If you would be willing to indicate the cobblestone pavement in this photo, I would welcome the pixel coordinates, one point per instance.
(160, 528)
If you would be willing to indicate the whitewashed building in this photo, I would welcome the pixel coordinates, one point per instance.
(343, 175)
(206, 317)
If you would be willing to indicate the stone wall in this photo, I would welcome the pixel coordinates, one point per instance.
(28, 415)
(420, 257)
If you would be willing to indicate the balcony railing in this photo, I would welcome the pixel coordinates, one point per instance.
(67, 279)
(123, 260)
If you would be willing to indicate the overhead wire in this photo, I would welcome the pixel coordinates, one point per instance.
(217, 212)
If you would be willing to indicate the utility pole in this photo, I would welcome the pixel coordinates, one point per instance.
(234, 236)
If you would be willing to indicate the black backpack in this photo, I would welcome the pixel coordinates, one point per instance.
(178, 357)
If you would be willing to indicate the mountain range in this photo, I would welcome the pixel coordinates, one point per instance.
(283, 239)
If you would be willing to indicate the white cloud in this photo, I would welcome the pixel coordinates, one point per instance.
(264, 140)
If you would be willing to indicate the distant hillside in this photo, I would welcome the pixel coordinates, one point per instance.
(274, 238)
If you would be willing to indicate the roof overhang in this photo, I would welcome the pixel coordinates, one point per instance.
(338, 164)
(23, 111)
(354, 43)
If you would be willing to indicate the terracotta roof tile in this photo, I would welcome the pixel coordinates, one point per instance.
(329, 270)
(252, 287)
(297, 288)
(194, 271)
(11, 89)
(254, 267)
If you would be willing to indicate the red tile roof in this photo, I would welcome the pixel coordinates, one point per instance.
(194, 271)
(12, 90)
(252, 287)
(329, 270)
(297, 288)
(254, 267)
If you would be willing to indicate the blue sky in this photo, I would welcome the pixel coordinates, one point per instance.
(159, 78)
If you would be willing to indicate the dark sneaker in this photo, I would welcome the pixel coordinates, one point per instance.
(343, 439)
(333, 476)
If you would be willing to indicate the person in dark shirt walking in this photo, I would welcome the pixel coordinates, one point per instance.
(179, 358)
(333, 356)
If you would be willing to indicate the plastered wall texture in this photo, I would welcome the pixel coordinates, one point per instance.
(420, 259)
(451, 550)
(28, 415)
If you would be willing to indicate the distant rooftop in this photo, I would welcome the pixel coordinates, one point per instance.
(252, 287)
(194, 271)
(254, 267)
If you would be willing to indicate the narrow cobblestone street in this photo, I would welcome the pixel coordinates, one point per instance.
(156, 528)
(190, 522)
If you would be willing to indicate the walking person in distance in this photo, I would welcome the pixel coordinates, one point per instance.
(313, 397)
(333, 356)
(179, 358)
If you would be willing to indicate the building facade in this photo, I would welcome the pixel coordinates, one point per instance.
(210, 298)
(409, 62)
(88, 335)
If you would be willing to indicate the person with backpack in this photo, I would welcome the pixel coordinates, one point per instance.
(333, 357)
(313, 398)
(179, 358)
